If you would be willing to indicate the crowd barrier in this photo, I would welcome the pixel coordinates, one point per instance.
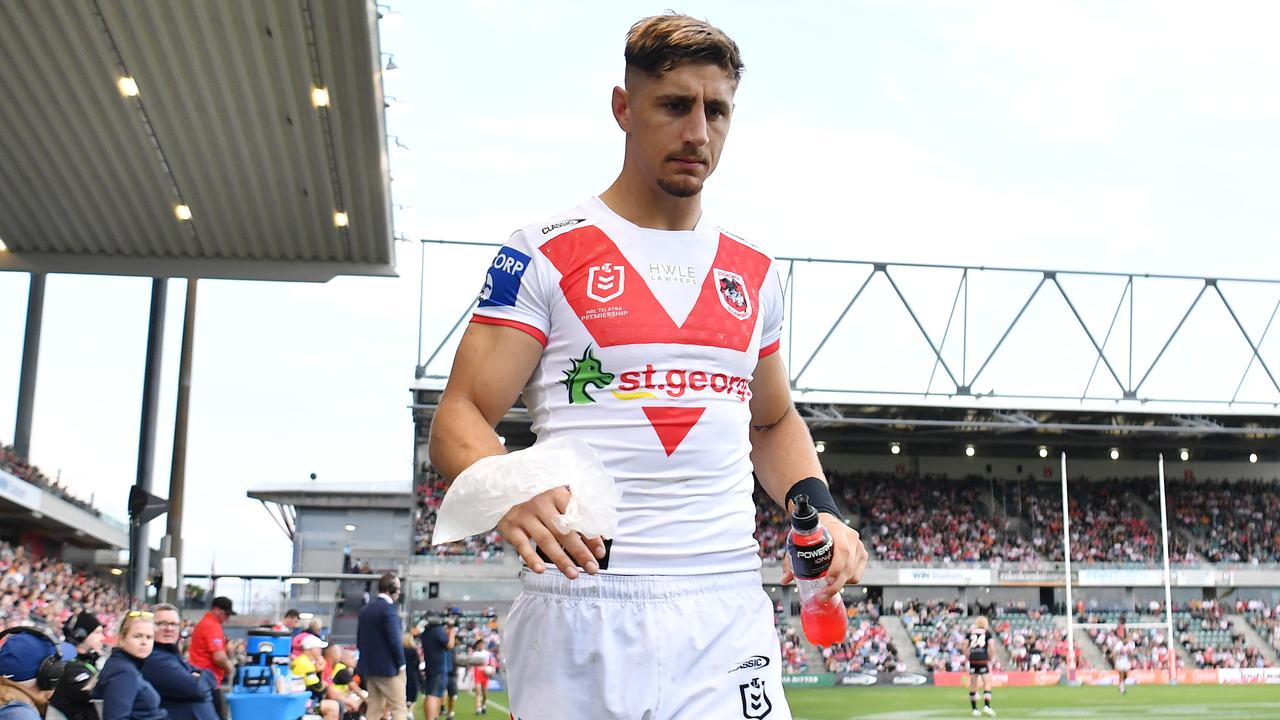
(1185, 676)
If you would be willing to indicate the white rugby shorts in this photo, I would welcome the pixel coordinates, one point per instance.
(646, 647)
(1122, 663)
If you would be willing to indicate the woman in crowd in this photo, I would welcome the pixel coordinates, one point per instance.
(125, 694)
(413, 671)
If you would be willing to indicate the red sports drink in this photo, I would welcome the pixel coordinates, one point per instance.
(810, 548)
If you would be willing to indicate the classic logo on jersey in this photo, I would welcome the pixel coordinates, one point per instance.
(731, 289)
(585, 371)
(755, 701)
(502, 283)
(562, 223)
(606, 282)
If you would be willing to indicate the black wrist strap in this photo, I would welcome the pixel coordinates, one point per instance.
(819, 495)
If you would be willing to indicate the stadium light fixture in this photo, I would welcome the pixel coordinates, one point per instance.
(297, 581)
(183, 212)
(306, 616)
(895, 448)
(1253, 457)
(339, 219)
(969, 451)
(1115, 453)
(320, 97)
(1044, 451)
(349, 527)
(117, 572)
(1184, 454)
(820, 446)
(128, 86)
(231, 578)
(391, 65)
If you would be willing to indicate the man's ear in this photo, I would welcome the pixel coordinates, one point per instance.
(622, 108)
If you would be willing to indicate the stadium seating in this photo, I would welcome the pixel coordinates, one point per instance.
(867, 647)
(1150, 647)
(1232, 522)
(46, 592)
(937, 630)
(1033, 640)
(1208, 636)
(1264, 618)
(12, 464)
(430, 490)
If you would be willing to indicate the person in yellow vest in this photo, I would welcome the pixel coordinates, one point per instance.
(309, 666)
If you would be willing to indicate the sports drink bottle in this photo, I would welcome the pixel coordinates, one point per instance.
(810, 548)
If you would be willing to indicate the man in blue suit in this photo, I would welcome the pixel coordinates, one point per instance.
(379, 638)
(186, 692)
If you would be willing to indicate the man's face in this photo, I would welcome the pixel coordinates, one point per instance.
(676, 124)
(168, 627)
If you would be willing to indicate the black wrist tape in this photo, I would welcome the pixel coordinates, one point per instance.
(819, 495)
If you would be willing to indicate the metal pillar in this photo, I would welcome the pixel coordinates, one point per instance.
(30, 363)
(139, 553)
(178, 470)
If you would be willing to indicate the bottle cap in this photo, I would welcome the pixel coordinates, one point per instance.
(804, 519)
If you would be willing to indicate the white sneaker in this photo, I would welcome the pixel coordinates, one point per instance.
(976, 713)
(987, 710)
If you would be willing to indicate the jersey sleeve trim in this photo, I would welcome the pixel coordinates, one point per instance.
(770, 349)
(530, 330)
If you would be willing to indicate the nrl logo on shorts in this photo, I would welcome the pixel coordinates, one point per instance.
(755, 702)
(605, 282)
(731, 289)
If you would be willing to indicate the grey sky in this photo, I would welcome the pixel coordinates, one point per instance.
(1106, 136)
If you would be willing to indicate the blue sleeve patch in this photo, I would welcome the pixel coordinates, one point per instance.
(502, 283)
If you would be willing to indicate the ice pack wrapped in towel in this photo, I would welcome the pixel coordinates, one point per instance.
(484, 492)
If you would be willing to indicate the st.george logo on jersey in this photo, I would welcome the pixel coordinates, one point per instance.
(731, 289)
(605, 282)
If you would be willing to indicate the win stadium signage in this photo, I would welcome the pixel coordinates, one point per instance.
(894, 679)
(944, 576)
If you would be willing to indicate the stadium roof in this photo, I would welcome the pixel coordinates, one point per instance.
(928, 430)
(335, 494)
(224, 123)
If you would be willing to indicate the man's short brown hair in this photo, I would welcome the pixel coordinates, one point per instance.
(659, 43)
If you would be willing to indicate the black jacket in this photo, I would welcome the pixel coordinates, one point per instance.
(74, 692)
(186, 691)
(125, 694)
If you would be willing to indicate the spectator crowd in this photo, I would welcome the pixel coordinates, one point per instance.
(11, 463)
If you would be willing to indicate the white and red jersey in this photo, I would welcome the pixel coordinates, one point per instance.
(651, 339)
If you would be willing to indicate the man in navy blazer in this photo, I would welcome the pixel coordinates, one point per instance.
(186, 692)
(379, 638)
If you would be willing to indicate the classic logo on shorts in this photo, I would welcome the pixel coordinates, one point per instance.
(605, 282)
(752, 663)
(755, 702)
(731, 290)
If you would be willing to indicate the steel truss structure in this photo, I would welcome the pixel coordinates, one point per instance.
(952, 379)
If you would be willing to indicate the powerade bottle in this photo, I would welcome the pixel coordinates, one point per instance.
(810, 548)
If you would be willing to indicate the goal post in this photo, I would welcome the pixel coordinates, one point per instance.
(1166, 624)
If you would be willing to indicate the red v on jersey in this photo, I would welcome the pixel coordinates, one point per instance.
(672, 424)
(618, 307)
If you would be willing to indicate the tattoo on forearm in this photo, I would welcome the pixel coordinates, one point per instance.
(772, 425)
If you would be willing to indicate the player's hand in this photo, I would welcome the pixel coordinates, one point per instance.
(848, 557)
(532, 522)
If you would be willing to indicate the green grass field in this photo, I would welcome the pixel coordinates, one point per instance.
(1210, 702)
